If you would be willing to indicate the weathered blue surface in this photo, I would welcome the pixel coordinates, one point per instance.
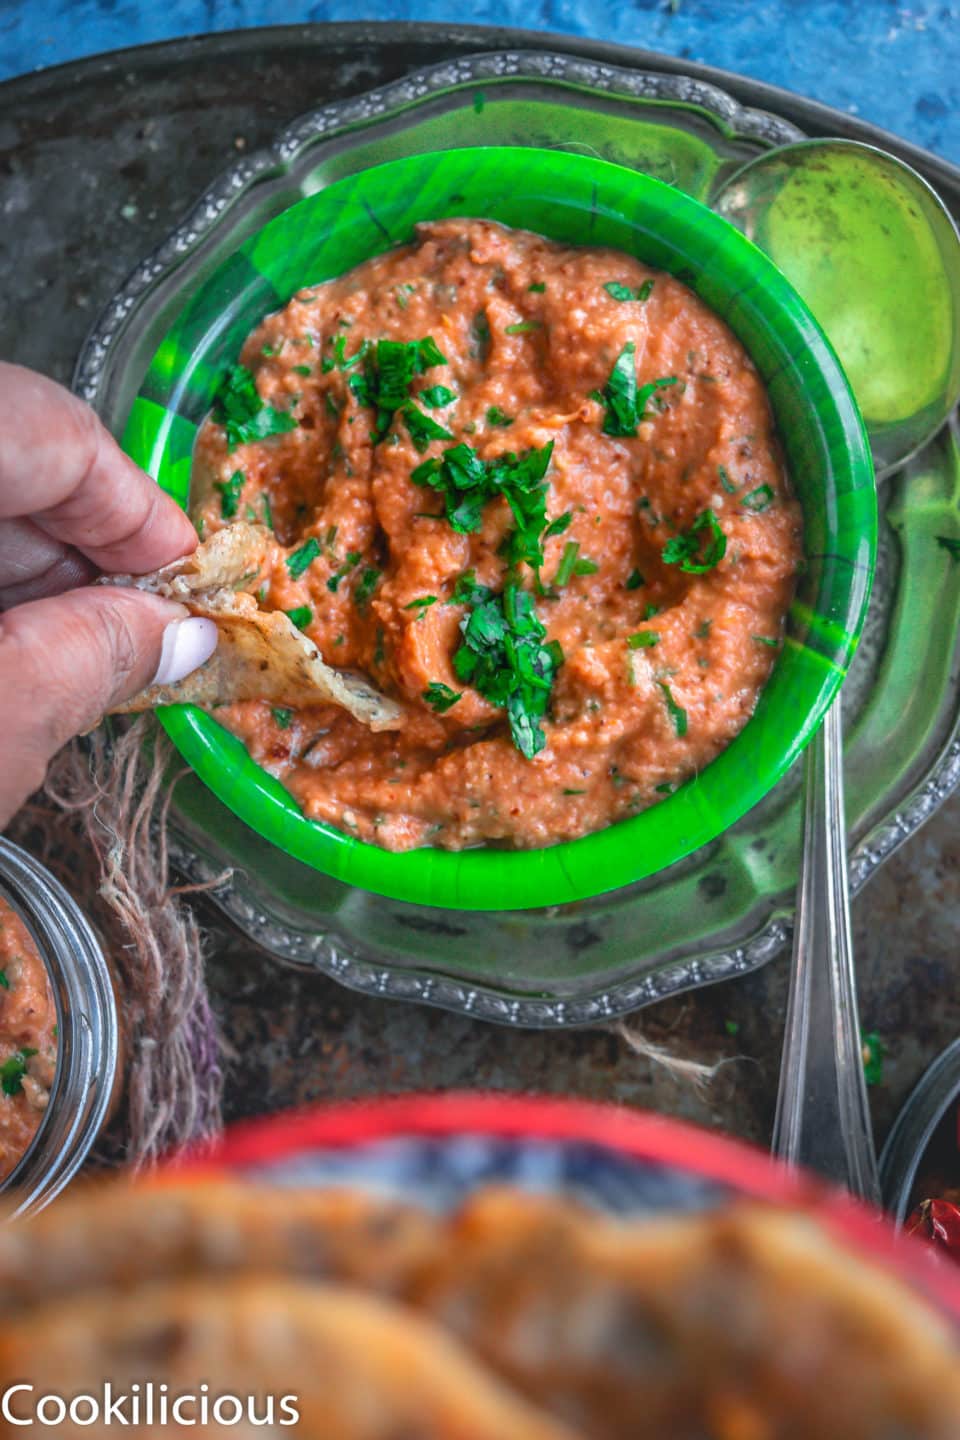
(896, 65)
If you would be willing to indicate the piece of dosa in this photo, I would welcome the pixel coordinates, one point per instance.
(261, 654)
(360, 1368)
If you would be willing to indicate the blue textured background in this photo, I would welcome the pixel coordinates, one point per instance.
(896, 65)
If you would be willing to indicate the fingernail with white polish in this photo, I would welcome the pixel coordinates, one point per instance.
(186, 645)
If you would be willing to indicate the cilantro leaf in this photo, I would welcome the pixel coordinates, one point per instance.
(421, 428)
(468, 483)
(504, 657)
(677, 713)
(760, 499)
(435, 397)
(300, 560)
(230, 493)
(282, 717)
(422, 603)
(301, 615)
(686, 549)
(245, 417)
(13, 1070)
(643, 639)
(496, 416)
(634, 580)
(624, 292)
(369, 579)
(440, 697)
(353, 558)
(625, 404)
(389, 367)
(4, 982)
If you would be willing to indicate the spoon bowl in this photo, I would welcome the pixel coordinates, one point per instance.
(875, 253)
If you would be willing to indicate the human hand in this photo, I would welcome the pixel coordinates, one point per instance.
(72, 506)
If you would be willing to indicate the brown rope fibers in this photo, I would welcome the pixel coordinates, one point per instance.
(100, 823)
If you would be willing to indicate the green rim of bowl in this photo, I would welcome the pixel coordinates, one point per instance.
(576, 200)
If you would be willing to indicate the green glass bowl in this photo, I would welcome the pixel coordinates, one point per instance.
(576, 200)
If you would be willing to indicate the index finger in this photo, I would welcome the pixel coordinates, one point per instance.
(60, 466)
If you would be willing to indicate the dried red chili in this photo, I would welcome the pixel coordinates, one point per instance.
(937, 1221)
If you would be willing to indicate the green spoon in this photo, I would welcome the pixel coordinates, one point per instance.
(873, 251)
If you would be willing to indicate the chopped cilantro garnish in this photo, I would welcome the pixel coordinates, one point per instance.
(421, 428)
(13, 1070)
(643, 639)
(230, 493)
(725, 480)
(301, 615)
(703, 630)
(440, 697)
(624, 292)
(687, 550)
(522, 327)
(585, 567)
(353, 558)
(369, 579)
(388, 369)
(625, 404)
(331, 536)
(300, 560)
(574, 792)
(664, 788)
(677, 713)
(468, 592)
(567, 561)
(650, 611)
(504, 657)
(423, 602)
(634, 580)
(301, 369)
(282, 717)
(558, 526)
(732, 1027)
(496, 416)
(436, 396)
(467, 483)
(759, 499)
(4, 982)
(332, 405)
(270, 350)
(267, 511)
(238, 408)
(766, 640)
(537, 288)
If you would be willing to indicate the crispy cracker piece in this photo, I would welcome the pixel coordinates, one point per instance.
(261, 654)
(357, 1367)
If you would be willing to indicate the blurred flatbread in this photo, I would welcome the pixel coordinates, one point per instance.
(360, 1368)
(126, 1234)
(750, 1322)
(261, 654)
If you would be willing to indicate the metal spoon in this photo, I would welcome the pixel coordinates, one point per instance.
(874, 252)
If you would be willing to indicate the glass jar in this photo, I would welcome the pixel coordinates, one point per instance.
(87, 1030)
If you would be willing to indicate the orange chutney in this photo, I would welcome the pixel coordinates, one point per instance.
(658, 573)
(28, 1039)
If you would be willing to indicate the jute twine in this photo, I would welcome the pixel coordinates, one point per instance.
(100, 823)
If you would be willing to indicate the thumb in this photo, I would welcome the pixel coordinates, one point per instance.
(66, 660)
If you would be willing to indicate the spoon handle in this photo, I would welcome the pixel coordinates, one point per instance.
(823, 1116)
